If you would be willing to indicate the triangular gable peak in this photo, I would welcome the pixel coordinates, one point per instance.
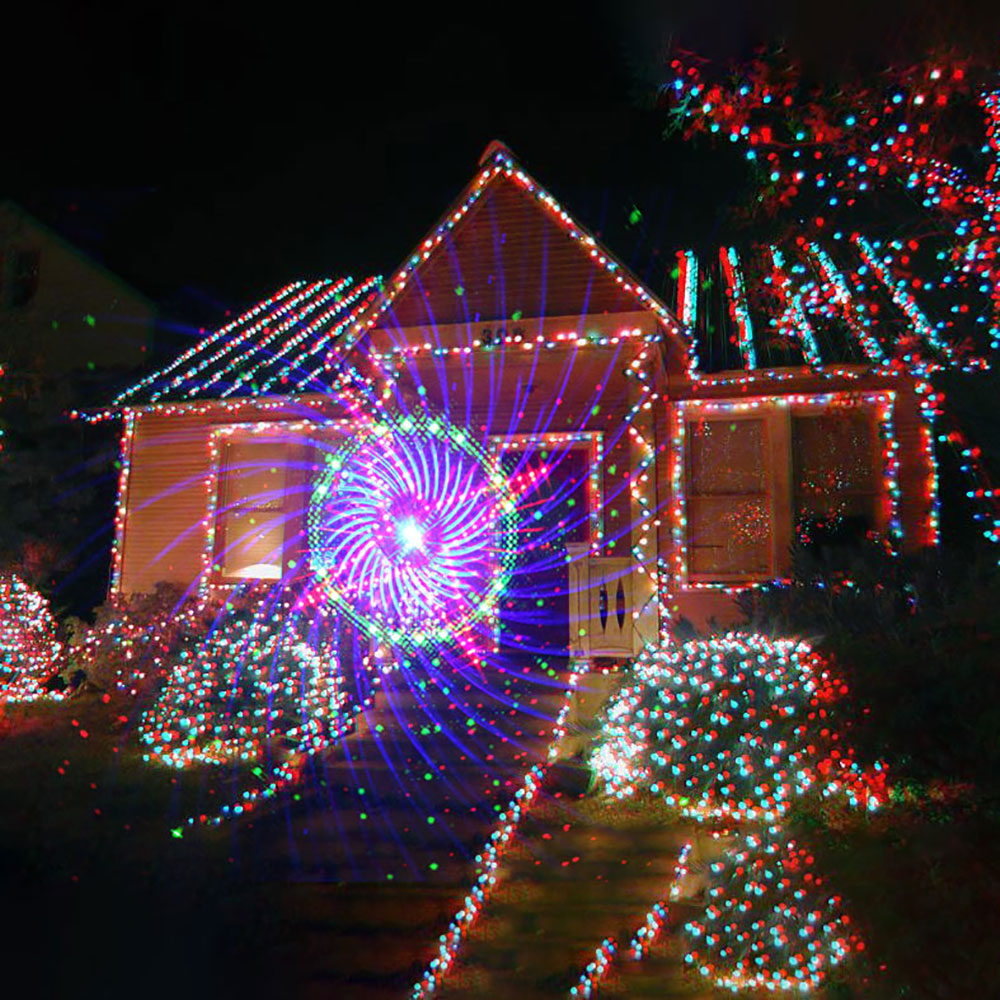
(507, 252)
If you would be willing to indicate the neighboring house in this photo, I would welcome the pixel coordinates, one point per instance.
(653, 475)
(60, 310)
(70, 333)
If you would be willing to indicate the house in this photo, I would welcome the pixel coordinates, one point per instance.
(61, 310)
(69, 331)
(654, 473)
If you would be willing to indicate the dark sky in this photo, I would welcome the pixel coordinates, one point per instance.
(212, 151)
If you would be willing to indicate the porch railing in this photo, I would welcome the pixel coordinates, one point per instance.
(600, 604)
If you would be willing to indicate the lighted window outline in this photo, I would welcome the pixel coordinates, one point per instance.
(882, 405)
(211, 575)
(767, 493)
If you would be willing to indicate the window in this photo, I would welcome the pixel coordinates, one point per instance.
(837, 494)
(729, 508)
(252, 510)
(24, 276)
(761, 475)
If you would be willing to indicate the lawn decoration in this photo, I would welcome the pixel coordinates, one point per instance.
(729, 727)
(769, 923)
(30, 653)
(262, 688)
(255, 677)
(732, 729)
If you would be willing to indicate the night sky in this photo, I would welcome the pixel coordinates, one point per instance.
(210, 152)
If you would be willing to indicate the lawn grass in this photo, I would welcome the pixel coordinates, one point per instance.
(103, 901)
(922, 882)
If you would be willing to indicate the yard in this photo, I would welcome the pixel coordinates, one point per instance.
(342, 886)
(109, 895)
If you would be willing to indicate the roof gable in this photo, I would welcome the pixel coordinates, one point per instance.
(507, 250)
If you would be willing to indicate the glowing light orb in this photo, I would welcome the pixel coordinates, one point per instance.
(411, 535)
(411, 530)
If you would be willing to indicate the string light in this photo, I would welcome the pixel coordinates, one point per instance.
(737, 296)
(643, 939)
(255, 677)
(30, 652)
(793, 320)
(839, 152)
(501, 164)
(130, 645)
(282, 343)
(488, 859)
(687, 287)
(725, 727)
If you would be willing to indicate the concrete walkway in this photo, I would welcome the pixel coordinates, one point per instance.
(579, 874)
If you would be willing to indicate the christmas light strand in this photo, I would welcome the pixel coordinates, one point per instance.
(793, 319)
(687, 287)
(30, 652)
(737, 297)
(492, 853)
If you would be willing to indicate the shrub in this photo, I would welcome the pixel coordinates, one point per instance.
(130, 641)
(733, 726)
(914, 638)
(30, 650)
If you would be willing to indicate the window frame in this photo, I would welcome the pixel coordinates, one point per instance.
(777, 413)
(299, 436)
(767, 494)
(271, 509)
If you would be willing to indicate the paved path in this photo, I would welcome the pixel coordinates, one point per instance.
(578, 875)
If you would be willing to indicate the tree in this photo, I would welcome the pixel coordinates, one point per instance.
(877, 207)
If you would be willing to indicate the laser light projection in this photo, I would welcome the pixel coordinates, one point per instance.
(411, 530)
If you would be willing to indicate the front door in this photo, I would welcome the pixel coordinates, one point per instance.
(552, 489)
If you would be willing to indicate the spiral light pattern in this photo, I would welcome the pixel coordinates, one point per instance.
(411, 530)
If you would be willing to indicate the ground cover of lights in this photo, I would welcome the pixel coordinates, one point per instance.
(30, 651)
(730, 730)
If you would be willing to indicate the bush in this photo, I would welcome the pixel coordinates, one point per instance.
(265, 671)
(30, 650)
(913, 637)
(128, 644)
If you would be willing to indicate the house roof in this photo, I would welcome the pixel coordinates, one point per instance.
(281, 346)
(731, 309)
(505, 247)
